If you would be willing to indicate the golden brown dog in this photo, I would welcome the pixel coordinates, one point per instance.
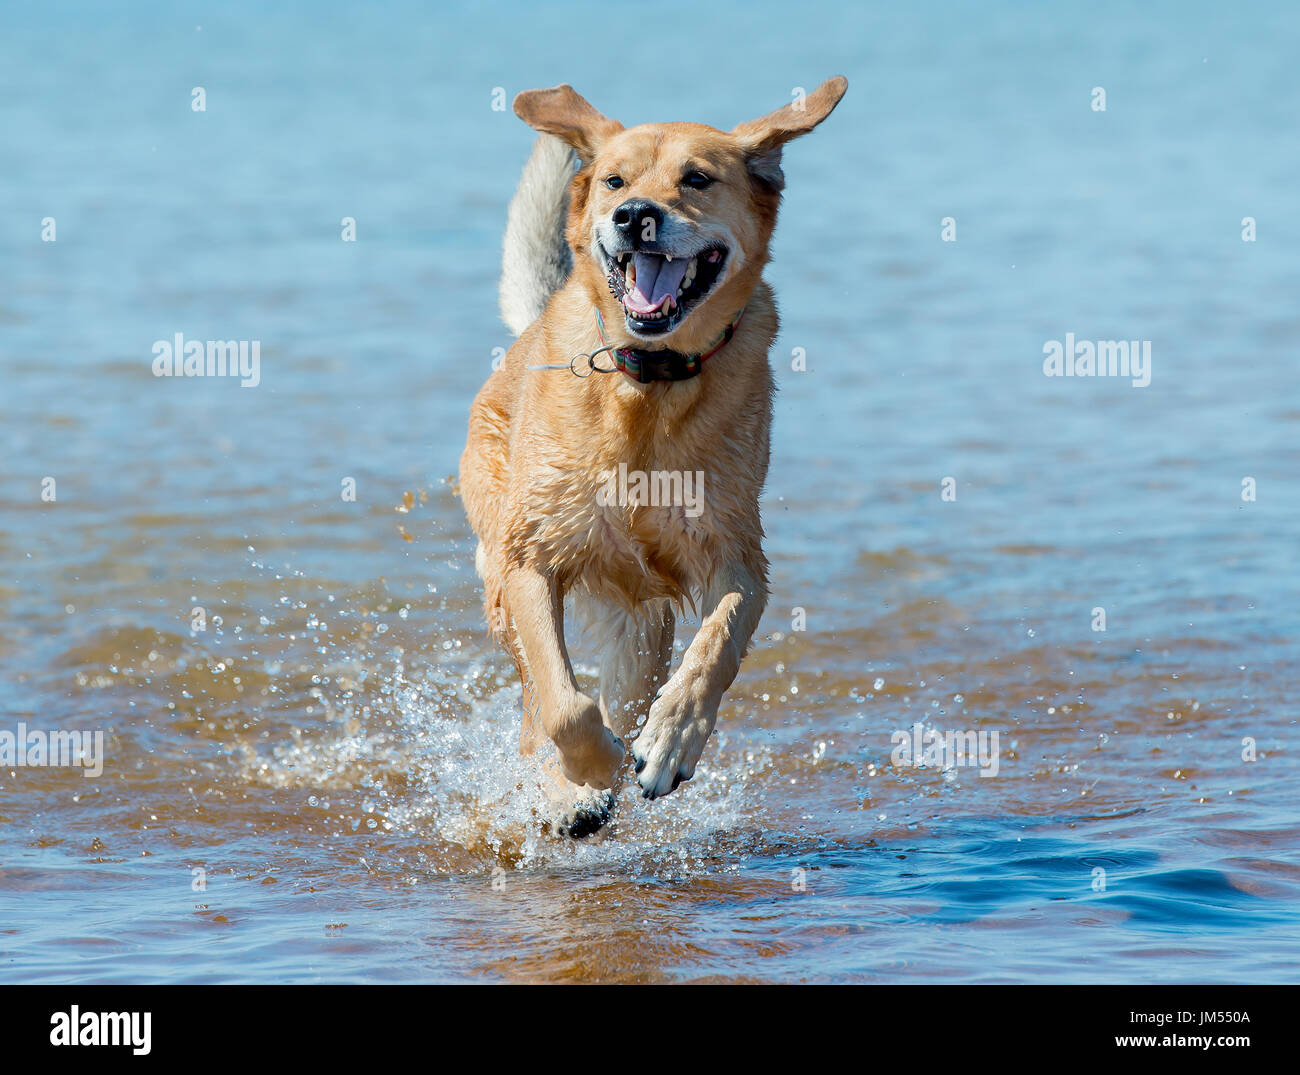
(628, 477)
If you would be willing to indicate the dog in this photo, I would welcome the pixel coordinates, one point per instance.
(632, 277)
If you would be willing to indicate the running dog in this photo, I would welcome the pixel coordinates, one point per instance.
(632, 276)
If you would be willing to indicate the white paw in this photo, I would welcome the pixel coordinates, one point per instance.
(668, 748)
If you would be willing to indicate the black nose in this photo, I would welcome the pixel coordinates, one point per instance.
(639, 220)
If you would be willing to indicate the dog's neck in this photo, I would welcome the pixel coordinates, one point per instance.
(645, 365)
(681, 354)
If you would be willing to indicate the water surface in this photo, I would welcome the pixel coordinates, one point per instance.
(335, 749)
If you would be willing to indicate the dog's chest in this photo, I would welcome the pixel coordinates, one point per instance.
(653, 527)
(639, 532)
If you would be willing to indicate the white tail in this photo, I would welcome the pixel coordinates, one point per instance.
(536, 259)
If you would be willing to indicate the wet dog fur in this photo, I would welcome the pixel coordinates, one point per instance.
(599, 210)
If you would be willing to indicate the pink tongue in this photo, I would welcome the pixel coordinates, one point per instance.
(656, 279)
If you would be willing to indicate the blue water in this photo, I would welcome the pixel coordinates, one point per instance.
(336, 753)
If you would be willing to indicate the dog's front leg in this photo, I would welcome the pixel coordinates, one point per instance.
(686, 708)
(589, 752)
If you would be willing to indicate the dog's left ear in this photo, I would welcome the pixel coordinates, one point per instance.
(763, 138)
(569, 116)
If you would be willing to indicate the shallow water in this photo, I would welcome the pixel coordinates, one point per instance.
(335, 749)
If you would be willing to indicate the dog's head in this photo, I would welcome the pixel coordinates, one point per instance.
(673, 219)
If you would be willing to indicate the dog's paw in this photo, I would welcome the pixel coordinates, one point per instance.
(572, 810)
(668, 748)
(589, 753)
(587, 815)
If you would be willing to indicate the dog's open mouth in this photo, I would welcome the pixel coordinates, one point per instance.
(657, 291)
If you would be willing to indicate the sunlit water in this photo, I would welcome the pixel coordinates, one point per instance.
(335, 749)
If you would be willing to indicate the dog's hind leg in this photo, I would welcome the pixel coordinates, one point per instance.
(635, 649)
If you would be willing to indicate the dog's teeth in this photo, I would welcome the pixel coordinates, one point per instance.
(630, 273)
(668, 257)
(689, 278)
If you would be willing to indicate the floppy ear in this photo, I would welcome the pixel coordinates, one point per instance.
(567, 115)
(763, 138)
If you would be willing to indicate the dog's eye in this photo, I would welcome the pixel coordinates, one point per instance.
(614, 182)
(698, 180)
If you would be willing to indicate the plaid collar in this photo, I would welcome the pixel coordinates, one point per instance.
(646, 366)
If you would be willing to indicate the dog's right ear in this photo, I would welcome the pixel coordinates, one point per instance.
(566, 114)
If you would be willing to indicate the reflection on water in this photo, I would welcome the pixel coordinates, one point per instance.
(312, 769)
